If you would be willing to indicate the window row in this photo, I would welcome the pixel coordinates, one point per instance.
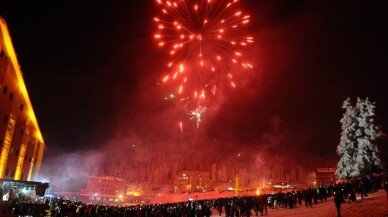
(5, 89)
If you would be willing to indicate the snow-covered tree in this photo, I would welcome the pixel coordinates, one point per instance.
(357, 148)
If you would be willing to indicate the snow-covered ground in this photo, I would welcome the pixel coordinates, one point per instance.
(375, 205)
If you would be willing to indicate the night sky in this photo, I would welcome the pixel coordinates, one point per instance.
(91, 70)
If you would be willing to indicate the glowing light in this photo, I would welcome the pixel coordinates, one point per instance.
(196, 114)
(198, 35)
(13, 62)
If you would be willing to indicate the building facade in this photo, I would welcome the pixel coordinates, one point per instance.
(105, 190)
(106, 185)
(21, 142)
(192, 181)
(326, 176)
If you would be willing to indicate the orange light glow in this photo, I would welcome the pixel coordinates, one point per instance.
(32, 122)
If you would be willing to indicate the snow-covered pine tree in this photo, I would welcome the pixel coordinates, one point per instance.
(367, 132)
(357, 148)
(347, 147)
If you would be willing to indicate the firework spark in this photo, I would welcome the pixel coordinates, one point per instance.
(181, 127)
(196, 114)
(204, 42)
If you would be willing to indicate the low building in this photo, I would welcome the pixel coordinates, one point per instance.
(105, 185)
(326, 176)
(97, 190)
(191, 181)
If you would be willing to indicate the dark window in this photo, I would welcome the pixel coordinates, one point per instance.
(1, 142)
(5, 89)
(17, 152)
(21, 178)
(21, 107)
(5, 119)
(21, 132)
(6, 172)
(13, 173)
(11, 96)
(30, 159)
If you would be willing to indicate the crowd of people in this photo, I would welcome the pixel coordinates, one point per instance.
(238, 206)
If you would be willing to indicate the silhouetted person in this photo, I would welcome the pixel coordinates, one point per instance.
(337, 201)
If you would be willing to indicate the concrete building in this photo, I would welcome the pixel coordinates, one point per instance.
(21, 142)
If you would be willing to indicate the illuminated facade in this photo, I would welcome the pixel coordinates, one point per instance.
(105, 185)
(326, 176)
(188, 180)
(21, 142)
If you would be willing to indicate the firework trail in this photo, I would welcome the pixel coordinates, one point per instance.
(196, 114)
(204, 41)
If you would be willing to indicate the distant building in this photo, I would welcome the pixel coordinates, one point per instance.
(189, 181)
(326, 176)
(21, 142)
(106, 185)
(98, 190)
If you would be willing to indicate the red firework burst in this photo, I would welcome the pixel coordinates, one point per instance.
(204, 41)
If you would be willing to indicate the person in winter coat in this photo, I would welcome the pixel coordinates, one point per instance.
(338, 198)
